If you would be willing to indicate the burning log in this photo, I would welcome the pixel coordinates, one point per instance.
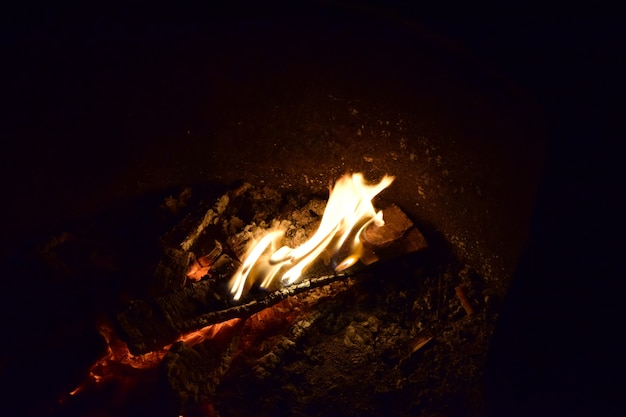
(197, 370)
(265, 301)
(349, 224)
(190, 247)
(147, 325)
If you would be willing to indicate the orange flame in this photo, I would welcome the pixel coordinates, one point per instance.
(348, 212)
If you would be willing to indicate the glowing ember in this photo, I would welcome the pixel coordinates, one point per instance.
(201, 267)
(348, 212)
(120, 366)
(210, 332)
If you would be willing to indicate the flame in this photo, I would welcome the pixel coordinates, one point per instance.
(348, 212)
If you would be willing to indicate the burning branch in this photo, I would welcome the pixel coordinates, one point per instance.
(348, 212)
(254, 306)
(342, 239)
(148, 325)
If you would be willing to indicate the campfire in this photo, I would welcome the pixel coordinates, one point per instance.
(306, 300)
(216, 280)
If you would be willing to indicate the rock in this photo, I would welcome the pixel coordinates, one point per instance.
(396, 225)
(398, 236)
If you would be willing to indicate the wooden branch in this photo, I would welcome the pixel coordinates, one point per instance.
(254, 306)
(147, 325)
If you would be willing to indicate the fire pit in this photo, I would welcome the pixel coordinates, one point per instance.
(400, 328)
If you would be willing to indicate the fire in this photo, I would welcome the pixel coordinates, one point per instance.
(348, 212)
(210, 332)
(118, 363)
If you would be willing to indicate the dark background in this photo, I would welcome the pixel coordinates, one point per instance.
(559, 347)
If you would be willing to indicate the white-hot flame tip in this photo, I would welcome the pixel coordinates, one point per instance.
(348, 211)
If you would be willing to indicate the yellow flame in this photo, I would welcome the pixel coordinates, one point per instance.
(348, 212)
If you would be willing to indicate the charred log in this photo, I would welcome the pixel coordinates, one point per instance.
(146, 325)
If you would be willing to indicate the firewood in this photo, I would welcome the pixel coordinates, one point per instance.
(263, 302)
(190, 244)
(153, 323)
(199, 368)
(147, 325)
(202, 265)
